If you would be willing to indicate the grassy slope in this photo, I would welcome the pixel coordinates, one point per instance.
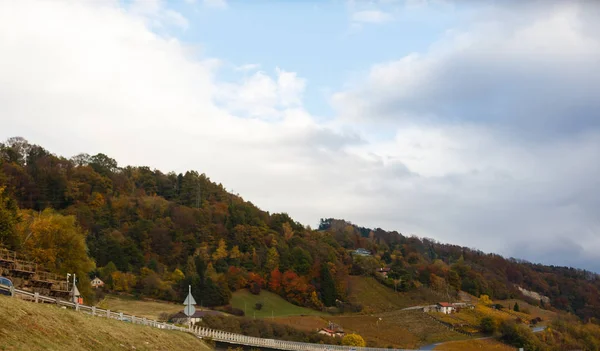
(469, 345)
(376, 298)
(272, 303)
(28, 326)
(139, 308)
(401, 329)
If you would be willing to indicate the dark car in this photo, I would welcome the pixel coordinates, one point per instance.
(5, 285)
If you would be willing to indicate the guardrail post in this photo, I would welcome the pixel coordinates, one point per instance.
(36, 297)
(93, 310)
(108, 314)
(77, 305)
(12, 291)
(120, 316)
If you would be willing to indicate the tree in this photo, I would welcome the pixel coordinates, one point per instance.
(56, 242)
(488, 325)
(221, 251)
(516, 307)
(272, 259)
(353, 340)
(485, 300)
(328, 293)
(8, 221)
(275, 280)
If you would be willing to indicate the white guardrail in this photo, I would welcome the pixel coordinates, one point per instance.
(201, 332)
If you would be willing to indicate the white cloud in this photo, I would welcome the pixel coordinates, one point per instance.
(215, 3)
(114, 86)
(371, 16)
(248, 67)
(157, 15)
(261, 95)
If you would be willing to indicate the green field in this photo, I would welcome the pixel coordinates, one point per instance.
(273, 305)
(30, 326)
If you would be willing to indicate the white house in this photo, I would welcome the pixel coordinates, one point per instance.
(97, 283)
(445, 307)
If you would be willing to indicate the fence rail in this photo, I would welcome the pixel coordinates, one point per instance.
(201, 332)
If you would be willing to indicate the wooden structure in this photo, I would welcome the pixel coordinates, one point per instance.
(30, 276)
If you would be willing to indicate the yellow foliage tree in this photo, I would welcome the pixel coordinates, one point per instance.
(221, 251)
(235, 253)
(354, 340)
(123, 281)
(57, 243)
(485, 300)
(177, 275)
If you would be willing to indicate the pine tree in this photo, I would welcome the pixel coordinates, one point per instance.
(516, 308)
(328, 293)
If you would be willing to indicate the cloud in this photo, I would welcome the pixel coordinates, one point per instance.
(157, 15)
(248, 67)
(507, 180)
(500, 71)
(215, 3)
(261, 95)
(371, 16)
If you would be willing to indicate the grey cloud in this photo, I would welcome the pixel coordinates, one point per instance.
(536, 74)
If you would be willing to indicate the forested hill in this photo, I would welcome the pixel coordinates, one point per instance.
(150, 233)
(439, 265)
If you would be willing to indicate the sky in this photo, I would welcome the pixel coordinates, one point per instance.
(474, 123)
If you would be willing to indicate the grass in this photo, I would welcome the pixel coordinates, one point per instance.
(473, 345)
(29, 326)
(140, 308)
(377, 298)
(305, 323)
(273, 305)
(400, 329)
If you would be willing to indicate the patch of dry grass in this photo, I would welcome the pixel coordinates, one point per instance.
(377, 298)
(140, 308)
(400, 329)
(306, 323)
(474, 345)
(29, 326)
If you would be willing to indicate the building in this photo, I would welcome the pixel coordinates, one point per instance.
(97, 283)
(383, 271)
(445, 307)
(362, 252)
(181, 318)
(332, 333)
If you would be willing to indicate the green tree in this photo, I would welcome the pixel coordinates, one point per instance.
(488, 325)
(272, 259)
(8, 220)
(516, 307)
(328, 293)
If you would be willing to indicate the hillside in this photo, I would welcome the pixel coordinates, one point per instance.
(153, 234)
(28, 326)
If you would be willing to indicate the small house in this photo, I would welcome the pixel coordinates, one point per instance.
(362, 252)
(332, 333)
(383, 271)
(182, 318)
(445, 307)
(97, 283)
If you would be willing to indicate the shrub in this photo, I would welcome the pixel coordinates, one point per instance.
(255, 288)
(354, 340)
(488, 325)
(258, 306)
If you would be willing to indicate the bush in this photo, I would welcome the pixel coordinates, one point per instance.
(488, 325)
(354, 340)
(255, 288)
(258, 306)
(232, 310)
(163, 317)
